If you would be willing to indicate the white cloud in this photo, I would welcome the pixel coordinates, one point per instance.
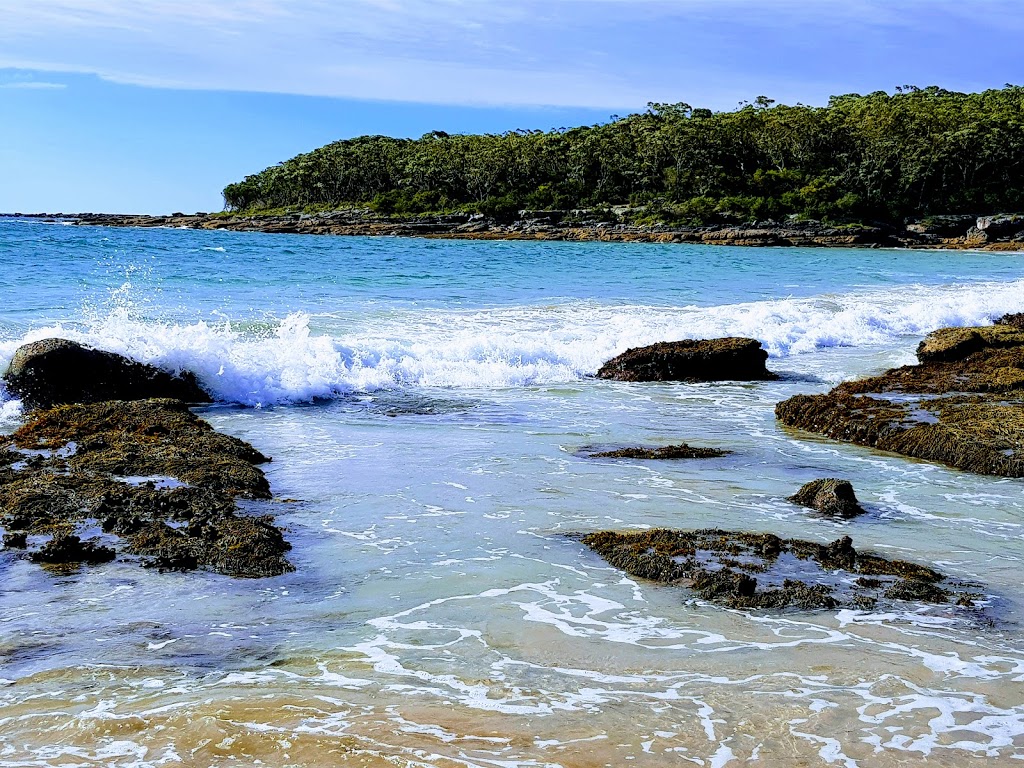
(33, 85)
(608, 53)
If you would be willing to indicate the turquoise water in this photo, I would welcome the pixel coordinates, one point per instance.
(424, 402)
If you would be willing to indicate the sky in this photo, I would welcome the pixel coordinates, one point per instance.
(152, 106)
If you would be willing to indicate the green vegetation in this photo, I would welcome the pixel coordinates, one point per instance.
(875, 157)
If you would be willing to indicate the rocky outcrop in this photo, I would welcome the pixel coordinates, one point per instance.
(728, 359)
(830, 496)
(681, 451)
(962, 405)
(1003, 232)
(57, 371)
(159, 481)
(954, 344)
(989, 229)
(760, 570)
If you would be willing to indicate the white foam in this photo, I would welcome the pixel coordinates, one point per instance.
(512, 346)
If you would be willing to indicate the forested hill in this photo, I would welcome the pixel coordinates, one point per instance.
(917, 152)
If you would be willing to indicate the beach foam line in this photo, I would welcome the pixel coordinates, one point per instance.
(303, 358)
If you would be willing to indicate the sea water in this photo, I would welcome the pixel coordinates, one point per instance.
(425, 403)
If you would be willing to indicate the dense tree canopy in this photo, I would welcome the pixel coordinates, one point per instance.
(882, 156)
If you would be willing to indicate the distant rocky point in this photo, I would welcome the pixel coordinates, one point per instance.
(999, 232)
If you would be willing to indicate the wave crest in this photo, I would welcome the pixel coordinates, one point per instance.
(289, 362)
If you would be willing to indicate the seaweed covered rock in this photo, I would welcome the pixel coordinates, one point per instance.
(760, 570)
(962, 405)
(681, 451)
(147, 437)
(830, 496)
(56, 371)
(69, 549)
(153, 475)
(728, 359)
(953, 344)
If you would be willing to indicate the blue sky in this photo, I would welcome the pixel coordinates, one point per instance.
(153, 106)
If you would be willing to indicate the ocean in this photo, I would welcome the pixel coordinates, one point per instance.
(425, 403)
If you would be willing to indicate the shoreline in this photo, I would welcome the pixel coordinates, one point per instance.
(993, 233)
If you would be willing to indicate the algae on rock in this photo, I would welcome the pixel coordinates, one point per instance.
(760, 570)
(681, 451)
(152, 474)
(962, 405)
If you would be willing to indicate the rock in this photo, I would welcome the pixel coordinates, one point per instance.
(66, 550)
(1002, 226)
(152, 474)
(681, 451)
(719, 566)
(963, 405)
(829, 496)
(1015, 319)
(950, 344)
(918, 591)
(57, 371)
(943, 226)
(735, 359)
(17, 540)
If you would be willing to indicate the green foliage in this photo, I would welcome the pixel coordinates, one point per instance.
(919, 151)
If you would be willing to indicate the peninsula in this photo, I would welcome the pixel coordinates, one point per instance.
(922, 167)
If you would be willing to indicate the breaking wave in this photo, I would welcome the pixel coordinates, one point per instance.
(304, 357)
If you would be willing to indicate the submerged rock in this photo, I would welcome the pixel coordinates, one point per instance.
(963, 405)
(830, 496)
(57, 371)
(681, 451)
(153, 475)
(728, 359)
(761, 570)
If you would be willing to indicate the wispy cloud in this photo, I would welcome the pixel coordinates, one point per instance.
(614, 53)
(33, 85)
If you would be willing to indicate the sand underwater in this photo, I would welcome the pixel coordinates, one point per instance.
(429, 407)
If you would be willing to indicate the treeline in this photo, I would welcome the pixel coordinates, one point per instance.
(918, 152)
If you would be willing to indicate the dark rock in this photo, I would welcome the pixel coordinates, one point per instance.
(17, 540)
(148, 437)
(962, 406)
(733, 359)
(64, 550)
(829, 496)
(681, 451)
(185, 518)
(838, 554)
(725, 584)
(1015, 319)
(921, 591)
(57, 371)
(718, 565)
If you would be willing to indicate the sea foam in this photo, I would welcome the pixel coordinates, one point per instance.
(306, 357)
